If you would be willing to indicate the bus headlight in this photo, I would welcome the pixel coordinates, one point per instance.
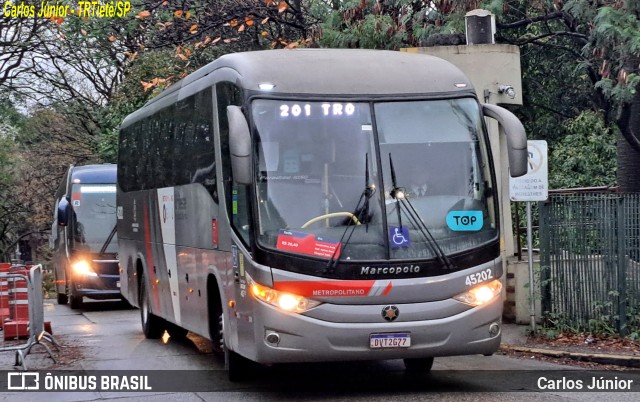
(480, 294)
(284, 301)
(83, 268)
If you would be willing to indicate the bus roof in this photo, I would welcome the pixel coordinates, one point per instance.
(103, 173)
(337, 72)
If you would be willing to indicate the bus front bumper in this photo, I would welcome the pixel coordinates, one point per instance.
(99, 287)
(304, 339)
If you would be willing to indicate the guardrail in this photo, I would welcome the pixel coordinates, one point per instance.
(34, 313)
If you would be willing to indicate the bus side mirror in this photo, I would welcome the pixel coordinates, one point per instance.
(239, 145)
(63, 212)
(516, 138)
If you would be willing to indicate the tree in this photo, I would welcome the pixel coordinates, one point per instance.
(577, 55)
(586, 155)
(10, 209)
(18, 38)
(615, 43)
(604, 37)
(32, 161)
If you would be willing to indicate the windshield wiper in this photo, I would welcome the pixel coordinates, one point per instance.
(361, 214)
(109, 238)
(399, 194)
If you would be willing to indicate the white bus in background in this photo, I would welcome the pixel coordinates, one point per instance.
(316, 205)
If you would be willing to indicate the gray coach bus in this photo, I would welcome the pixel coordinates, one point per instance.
(83, 235)
(316, 205)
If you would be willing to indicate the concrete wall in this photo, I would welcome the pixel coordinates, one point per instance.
(518, 300)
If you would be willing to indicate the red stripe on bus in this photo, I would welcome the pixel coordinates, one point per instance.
(326, 288)
(387, 289)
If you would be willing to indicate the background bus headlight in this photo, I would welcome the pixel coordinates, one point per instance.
(284, 301)
(83, 268)
(480, 294)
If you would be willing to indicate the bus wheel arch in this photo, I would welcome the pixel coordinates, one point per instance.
(238, 367)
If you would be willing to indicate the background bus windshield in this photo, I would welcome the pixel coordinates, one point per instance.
(314, 160)
(94, 211)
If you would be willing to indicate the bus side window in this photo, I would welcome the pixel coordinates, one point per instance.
(236, 195)
(204, 164)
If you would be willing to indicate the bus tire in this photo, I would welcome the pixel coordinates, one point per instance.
(239, 368)
(152, 326)
(75, 302)
(63, 298)
(419, 365)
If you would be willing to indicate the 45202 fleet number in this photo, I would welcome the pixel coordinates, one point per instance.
(479, 277)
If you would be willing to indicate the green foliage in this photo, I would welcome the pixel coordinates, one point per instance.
(108, 145)
(632, 326)
(131, 95)
(385, 25)
(151, 72)
(11, 122)
(7, 155)
(585, 156)
(604, 322)
(372, 32)
(554, 324)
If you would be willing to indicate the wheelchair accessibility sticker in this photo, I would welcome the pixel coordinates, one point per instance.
(465, 220)
(399, 236)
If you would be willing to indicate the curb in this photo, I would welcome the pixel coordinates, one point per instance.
(601, 358)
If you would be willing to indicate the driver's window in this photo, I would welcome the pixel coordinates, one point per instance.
(236, 194)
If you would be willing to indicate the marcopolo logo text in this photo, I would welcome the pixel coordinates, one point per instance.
(389, 270)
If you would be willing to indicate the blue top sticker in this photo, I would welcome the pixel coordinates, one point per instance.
(465, 220)
(399, 236)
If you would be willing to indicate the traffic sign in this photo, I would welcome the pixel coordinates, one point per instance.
(533, 186)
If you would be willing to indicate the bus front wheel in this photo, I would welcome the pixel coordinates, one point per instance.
(152, 326)
(75, 300)
(420, 365)
(239, 368)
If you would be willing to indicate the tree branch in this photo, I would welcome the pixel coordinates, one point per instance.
(528, 21)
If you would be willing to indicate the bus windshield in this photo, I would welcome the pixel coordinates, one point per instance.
(94, 211)
(329, 177)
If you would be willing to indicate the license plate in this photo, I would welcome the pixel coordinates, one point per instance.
(388, 341)
(118, 284)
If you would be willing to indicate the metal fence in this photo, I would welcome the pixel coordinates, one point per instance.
(590, 260)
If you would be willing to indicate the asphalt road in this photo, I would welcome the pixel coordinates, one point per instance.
(107, 336)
